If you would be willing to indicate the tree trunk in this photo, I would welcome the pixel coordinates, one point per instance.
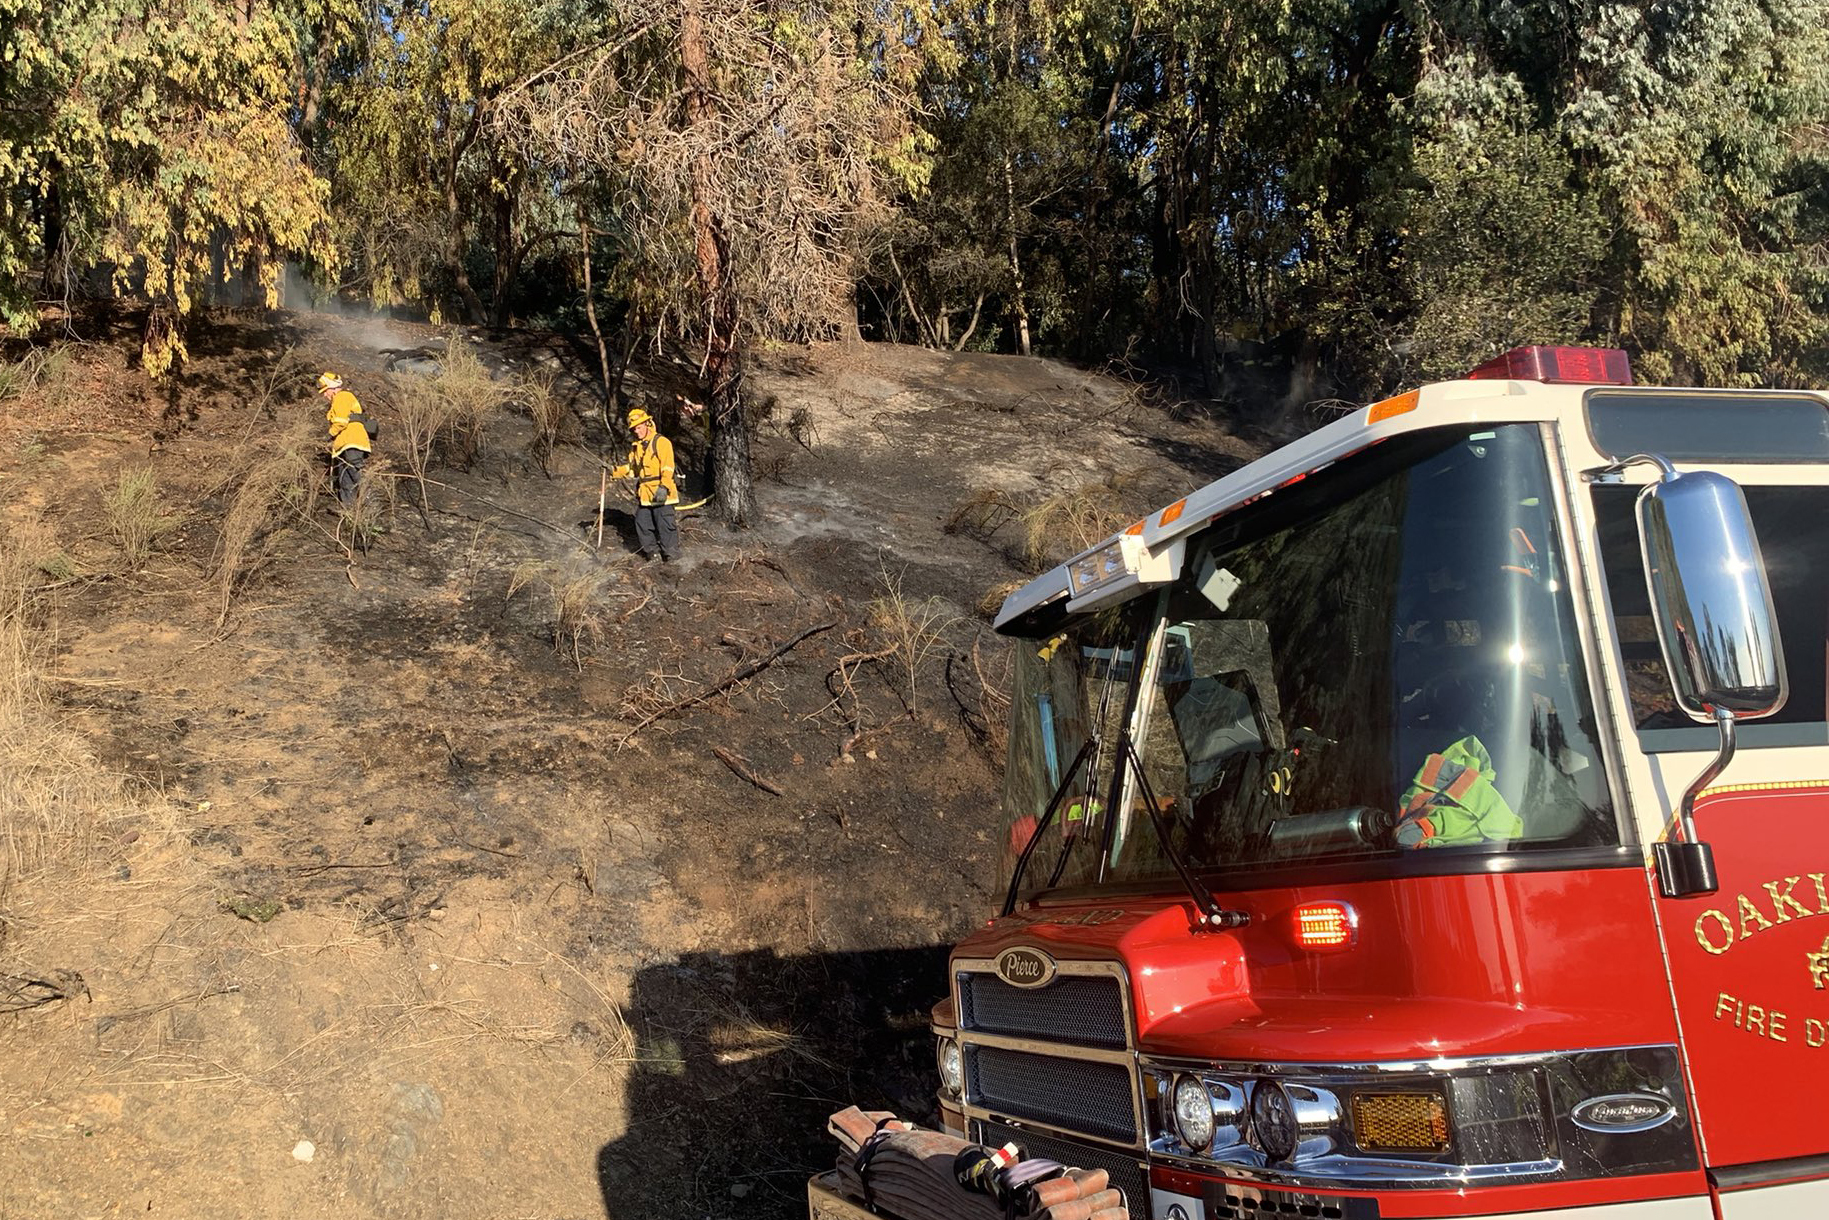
(1019, 304)
(590, 312)
(56, 265)
(731, 476)
(505, 258)
(454, 228)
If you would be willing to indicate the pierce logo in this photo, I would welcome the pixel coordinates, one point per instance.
(1025, 967)
(1623, 1112)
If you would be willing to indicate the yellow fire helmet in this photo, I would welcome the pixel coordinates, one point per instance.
(638, 417)
(329, 381)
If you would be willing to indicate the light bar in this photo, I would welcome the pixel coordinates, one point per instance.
(1566, 365)
(1092, 570)
(1325, 925)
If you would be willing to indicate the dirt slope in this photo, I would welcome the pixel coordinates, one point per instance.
(403, 919)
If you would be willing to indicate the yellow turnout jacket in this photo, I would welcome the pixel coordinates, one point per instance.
(345, 420)
(651, 464)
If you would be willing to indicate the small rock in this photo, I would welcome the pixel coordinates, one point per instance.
(303, 1151)
(740, 1190)
(870, 754)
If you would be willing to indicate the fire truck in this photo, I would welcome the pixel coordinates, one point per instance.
(1430, 818)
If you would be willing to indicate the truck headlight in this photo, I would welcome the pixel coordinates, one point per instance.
(952, 1068)
(1193, 1113)
(1273, 1120)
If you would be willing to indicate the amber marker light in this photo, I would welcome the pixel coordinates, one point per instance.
(1325, 925)
(1400, 1122)
(1391, 407)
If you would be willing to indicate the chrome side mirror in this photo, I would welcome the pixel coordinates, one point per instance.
(1717, 628)
(1709, 596)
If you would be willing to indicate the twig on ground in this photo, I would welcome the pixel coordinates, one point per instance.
(735, 676)
(740, 767)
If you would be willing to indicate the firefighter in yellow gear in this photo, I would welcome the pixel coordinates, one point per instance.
(350, 442)
(650, 464)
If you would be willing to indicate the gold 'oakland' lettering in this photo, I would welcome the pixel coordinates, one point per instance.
(1782, 899)
(1717, 930)
(1702, 932)
(1749, 911)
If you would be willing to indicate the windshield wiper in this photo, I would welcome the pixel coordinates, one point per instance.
(1212, 916)
(1054, 803)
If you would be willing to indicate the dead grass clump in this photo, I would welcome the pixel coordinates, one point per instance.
(982, 513)
(280, 486)
(554, 423)
(468, 394)
(913, 631)
(47, 369)
(135, 516)
(577, 624)
(1060, 526)
(577, 627)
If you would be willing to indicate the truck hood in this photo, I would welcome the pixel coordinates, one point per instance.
(1443, 967)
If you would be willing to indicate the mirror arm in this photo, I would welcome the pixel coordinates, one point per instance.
(1612, 470)
(1686, 812)
(1686, 868)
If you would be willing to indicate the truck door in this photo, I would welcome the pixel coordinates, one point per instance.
(1749, 964)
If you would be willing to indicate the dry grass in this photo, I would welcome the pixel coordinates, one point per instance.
(913, 631)
(577, 626)
(58, 807)
(1059, 526)
(1053, 526)
(554, 422)
(135, 516)
(46, 370)
(367, 516)
(280, 485)
(577, 623)
(468, 396)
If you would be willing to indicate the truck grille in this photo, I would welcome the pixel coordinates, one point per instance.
(1127, 1174)
(1084, 1010)
(1073, 1093)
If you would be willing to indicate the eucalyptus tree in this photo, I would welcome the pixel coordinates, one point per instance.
(156, 143)
(749, 146)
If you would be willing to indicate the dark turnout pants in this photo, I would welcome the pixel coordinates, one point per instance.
(347, 467)
(657, 527)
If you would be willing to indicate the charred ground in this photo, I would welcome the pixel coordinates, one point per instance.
(401, 872)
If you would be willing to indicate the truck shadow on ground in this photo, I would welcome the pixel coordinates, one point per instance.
(740, 1060)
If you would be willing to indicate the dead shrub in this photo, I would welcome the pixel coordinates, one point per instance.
(135, 517)
(912, 631)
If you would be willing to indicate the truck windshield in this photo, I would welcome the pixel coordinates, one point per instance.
(1378, 662)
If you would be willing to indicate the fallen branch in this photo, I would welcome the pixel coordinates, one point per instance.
(740, 767)
(17, 993)
(512, 512)
(735, 676)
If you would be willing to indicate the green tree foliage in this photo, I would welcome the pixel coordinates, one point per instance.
(424, 183)
(157, 142)
(1273, 201)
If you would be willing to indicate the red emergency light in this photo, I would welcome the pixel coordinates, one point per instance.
(1325, 925)
(1580, 365)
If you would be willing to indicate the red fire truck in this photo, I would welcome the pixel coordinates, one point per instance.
(1430, 819)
